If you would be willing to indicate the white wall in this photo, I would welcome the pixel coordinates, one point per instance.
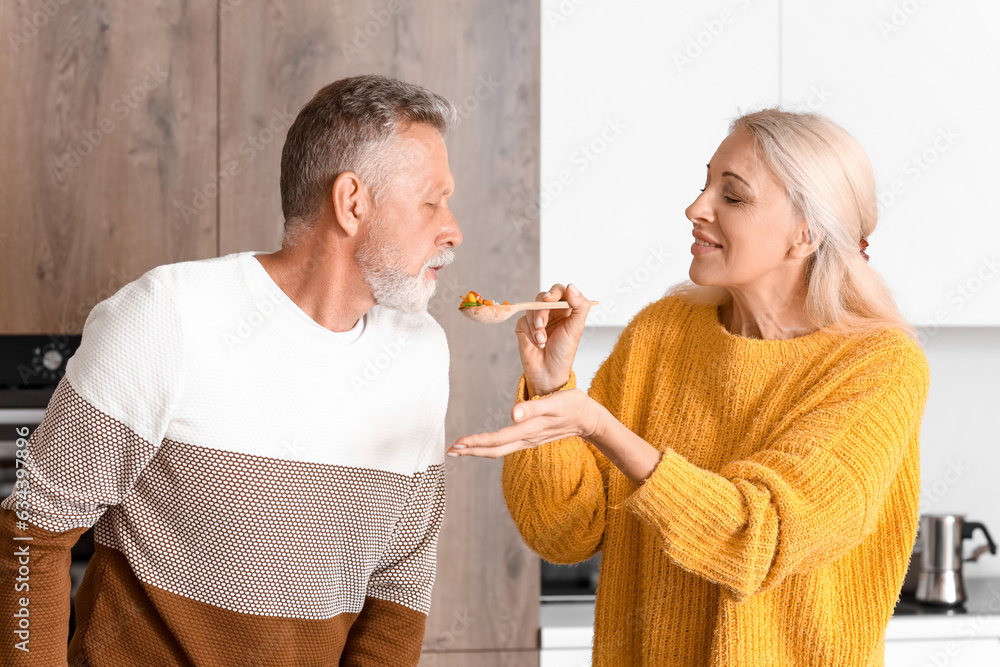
(960, 434)
(636, 96)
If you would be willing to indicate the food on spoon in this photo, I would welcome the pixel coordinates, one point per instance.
(472, 299)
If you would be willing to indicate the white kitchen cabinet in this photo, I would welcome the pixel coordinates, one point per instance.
(565, 657)
(918, 83)
(637, 95)
(966, 638)
(567, 634)
(941, 652)
(935, 638)
(935, 652)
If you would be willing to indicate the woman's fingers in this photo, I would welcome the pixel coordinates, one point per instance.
(525, 334)
(545, 323)
(490, 452)
(510, 438)
(507, 440)
(540, 318)
(535, 423)
(580, 306)
(505, 436)
(536, 323)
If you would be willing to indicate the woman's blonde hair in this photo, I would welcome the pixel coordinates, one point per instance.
(829, 180)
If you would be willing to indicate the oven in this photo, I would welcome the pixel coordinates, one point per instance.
(570, 583)
(30, 368)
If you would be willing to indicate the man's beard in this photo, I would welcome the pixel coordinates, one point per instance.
(383, 267)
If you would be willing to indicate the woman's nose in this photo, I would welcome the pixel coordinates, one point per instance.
(698, 210)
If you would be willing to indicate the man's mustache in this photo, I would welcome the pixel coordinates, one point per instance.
(444, 258)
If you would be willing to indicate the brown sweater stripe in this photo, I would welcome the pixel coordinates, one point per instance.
(125, 622)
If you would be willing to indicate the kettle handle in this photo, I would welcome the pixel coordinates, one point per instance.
(967, 529)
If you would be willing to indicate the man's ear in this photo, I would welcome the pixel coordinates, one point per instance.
(351, 204)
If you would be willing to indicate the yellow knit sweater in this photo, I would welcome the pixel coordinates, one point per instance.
(776, 529)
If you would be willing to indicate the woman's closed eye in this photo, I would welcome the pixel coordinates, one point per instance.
(729, 199)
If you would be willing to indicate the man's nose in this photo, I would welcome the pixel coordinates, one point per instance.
(451, 236)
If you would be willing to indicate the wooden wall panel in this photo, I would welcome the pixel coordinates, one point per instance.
(108, 112)
(526, 658)
(115, 161)
(484, 55)
(273, 57)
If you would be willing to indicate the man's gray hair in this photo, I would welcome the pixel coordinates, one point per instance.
(348, 126)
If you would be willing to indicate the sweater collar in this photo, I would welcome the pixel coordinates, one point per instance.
(290, 321)
(715, 333)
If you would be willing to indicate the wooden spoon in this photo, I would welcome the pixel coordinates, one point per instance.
(499, 313)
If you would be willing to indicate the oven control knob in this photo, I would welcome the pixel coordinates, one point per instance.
(52, 360)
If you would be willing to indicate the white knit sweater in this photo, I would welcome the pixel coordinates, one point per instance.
(243, 457)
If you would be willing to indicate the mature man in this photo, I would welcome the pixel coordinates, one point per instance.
(257, 438)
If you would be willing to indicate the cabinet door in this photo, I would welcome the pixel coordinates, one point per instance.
(565, 657)
(636, 97)
(483, 56)
(950, 652)
(526, 658)
(916, 83)
(109, 117)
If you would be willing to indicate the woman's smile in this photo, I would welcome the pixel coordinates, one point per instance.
(703, 245)
(698, 248)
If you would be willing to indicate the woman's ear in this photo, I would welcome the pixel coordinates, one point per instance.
(804, 243)
(350, 202)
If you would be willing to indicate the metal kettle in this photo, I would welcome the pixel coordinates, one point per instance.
(940, 580)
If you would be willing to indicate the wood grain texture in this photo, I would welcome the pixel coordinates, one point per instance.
(483, 55)
(115, 161)
(108, 112)
(527, 658)
(274, 56)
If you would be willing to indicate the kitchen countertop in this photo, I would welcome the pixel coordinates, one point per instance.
(978, 617)
(570, 624)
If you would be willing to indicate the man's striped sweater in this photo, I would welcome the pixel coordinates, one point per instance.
(264, 491)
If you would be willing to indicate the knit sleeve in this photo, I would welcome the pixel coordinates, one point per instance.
(101, 427)
(809, 496)
(557, 492)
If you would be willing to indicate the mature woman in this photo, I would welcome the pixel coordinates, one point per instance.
(747, 457)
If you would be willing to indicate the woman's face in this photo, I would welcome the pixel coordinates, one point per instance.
(747, 232)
